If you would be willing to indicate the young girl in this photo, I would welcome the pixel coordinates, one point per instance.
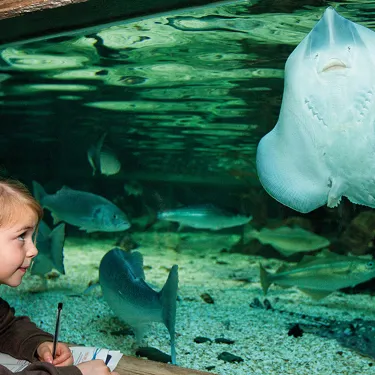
(20, 215)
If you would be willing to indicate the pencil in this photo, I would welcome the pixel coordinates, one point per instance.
(57, 329)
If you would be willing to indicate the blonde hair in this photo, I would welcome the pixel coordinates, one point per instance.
(15, 199)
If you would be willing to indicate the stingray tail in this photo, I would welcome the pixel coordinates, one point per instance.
(57, 237)
(168, 296)
(264, 279)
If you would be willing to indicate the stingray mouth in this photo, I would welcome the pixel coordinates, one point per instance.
(334, 64)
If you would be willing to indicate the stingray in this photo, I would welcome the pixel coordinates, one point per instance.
(323, 145)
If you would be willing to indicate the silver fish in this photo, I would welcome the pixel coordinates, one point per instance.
(289, 241)
(102, 159)
(122, 280)
(320, 276)
(203, 217)
(90, 212)
(50, 250)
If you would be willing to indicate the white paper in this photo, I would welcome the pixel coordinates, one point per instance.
(80, 354)
(11, 363)
(113, 362)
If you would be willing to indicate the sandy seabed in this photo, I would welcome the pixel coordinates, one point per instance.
(260, 336)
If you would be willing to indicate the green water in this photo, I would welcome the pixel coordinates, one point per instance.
(184, 97)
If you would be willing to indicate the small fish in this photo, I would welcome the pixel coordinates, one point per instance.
(133, 188)
(289, 241)
(103, 160)
(89, 212)
(203, 217)
(50, 245)
(320, 276)
(122, 280)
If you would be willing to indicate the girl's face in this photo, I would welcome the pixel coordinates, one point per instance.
(17, 248)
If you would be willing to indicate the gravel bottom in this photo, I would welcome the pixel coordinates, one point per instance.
(260, 336)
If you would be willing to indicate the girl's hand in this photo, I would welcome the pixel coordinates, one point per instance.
(63, 356)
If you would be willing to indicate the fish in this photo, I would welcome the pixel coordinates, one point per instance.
(289, 241)
(102, 159)
(153, 354)
(320, 276)
(89, 212)
(50, 245)
(203, 217)
(322, 147)
(133, 188)
(124, 288)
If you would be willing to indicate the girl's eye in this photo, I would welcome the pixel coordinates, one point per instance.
(21, 237)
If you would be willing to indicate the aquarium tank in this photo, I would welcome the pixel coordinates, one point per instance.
(208, 184)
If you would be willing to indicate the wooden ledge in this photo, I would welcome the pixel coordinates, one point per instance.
(31, 20)
(131, 365)
(137, 366)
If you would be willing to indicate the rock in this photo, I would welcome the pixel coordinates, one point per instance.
(228, 357)
(221, 262)
(201, 339)
(126, 242)
(52, 275)
(295, 331)
(153, 354)
(223, 340)
(256, 304)
(207, 298)
(267, 304)
(123, 332)
(358, 236)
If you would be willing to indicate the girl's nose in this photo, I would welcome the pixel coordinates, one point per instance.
(32, 251)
